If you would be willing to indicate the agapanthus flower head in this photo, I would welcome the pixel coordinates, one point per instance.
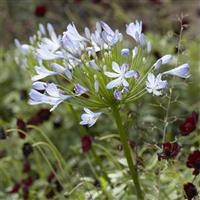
(99, 65)
(189, 125)
(169, 150)
(190, 190)
(194, 162)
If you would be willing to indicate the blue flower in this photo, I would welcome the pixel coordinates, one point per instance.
(109, 36)
(79, 90)
(61, 70)
(117, 95)
(53, 96)
(120, 73)
(182, 71)
(125, 52)
(89, 118)
(49, 47)
(155, 84)
(163, 61)
(42, 72)
(135, 31)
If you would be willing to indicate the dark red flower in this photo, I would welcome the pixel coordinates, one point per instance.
(78, 1)
(40, 10)
(190, 190)
(194, 162)
(157, 2)
(41, 116)
(169, 150)
(2, 134)
(86, 143)
(27, 149)
(15, 188)
(22, 126)
(28, 181)
(189, 124)
(25, 190)
(96, 1)
(26, 166)
(49, 192)
(50, 177)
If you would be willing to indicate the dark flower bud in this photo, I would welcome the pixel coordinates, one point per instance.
(97, 183)
(40, 10)
(26, 166)
(58, 186)
(49, 192)
(2, 134)
(50, 177)
(27, 149)
(22, 126)
(25, 190)
(86, 143)
(57, 122)
(41, 116)
(15, 188)
(190, 190)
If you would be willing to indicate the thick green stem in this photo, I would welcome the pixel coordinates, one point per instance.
(127, 152)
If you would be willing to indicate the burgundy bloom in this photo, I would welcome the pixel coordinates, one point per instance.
(86, 143)
(15, 188)
(50, 177)
(41, 116)
(189, 124)
(49, 192)
(22, 126)
(40, 10)
(27, 149)
(190, 190)
(169, 150)
(26, 166)
(28, 181)
(156, 2)
(25, 190)
(96, 1)
(194, 162)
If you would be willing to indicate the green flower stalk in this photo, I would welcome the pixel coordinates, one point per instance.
(97, 71)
